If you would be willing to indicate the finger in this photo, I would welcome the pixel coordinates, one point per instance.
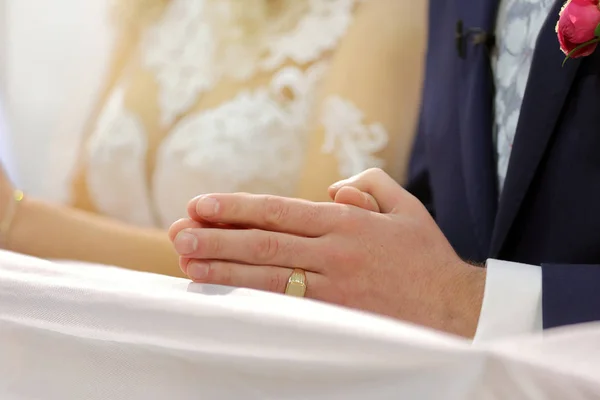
(386, 191)
(183, 263)
(191, 206)
(280, 214)
(187, 223)
(260, 277)
(250, 246)
(351, 196)
(181, 224)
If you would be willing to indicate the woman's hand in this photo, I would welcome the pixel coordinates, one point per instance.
(6, 192)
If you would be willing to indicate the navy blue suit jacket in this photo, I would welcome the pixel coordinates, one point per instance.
(548, 213)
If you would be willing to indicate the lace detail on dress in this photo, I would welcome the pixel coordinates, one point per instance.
(189, 54)
(116, 176)
(346, 135)
(319, 31)
(253, 143)
(180, 49)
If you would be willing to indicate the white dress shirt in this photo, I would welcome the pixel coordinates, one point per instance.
(512, 297)
(512, 300)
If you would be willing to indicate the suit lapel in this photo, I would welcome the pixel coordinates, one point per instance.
(476, 121)
(547, 88)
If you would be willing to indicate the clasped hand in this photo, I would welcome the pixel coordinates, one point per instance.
(375, 249)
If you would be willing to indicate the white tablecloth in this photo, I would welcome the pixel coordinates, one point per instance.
(77, 331)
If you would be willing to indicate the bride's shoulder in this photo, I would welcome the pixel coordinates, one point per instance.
(383, 26)
(390, 17)
(329, 24)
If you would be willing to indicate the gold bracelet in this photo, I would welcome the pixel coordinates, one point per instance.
(11, 211)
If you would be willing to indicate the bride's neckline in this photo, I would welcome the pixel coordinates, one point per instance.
(190, 41)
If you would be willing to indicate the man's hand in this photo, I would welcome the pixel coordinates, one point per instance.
(397, 262)
(352, 196)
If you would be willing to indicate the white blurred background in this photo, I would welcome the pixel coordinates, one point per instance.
(53, 57)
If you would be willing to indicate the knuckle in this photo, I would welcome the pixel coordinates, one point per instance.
(225, 272)
(275, 283)
(373, 172)
(313, 212)
(267, 248)
(230, 208)
(347, 254)
(350, 219)
(330, 213)
(275, 210)
(341, 258)
(219, 273)
(212, 246)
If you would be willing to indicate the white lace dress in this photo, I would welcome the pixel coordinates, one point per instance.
(253, 142)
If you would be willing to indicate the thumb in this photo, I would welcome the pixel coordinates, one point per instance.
(351, 196)
(386, 191)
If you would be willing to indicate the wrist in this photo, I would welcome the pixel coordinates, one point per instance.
(13, 204)
(6, 196)
(463, 299)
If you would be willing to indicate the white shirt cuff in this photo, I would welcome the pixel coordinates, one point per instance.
(512, 301)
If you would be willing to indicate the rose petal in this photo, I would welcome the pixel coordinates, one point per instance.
(576, 25)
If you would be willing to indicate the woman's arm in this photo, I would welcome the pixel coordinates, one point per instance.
(46, 230)
(51, 231)
(377, 71)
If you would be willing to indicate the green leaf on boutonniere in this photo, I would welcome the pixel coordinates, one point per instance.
(581, 46)
(597, 31)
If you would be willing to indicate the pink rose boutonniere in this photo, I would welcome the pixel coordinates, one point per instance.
(578, 28)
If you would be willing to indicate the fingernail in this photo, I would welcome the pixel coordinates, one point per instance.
(197, 271)
(207, 207)
(185, 243)
(335, 185)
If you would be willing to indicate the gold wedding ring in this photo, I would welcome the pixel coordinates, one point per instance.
(296, 285)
